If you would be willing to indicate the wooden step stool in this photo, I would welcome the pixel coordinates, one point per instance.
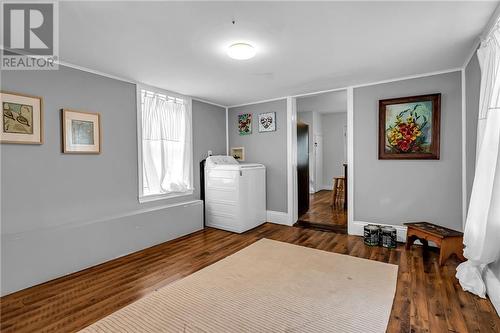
(447, 240)
(338, 194)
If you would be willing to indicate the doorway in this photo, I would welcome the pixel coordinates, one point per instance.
(302, 168)
(322, 196)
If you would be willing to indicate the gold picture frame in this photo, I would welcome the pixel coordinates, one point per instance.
(22, 118)
(409, 128)
(81, 132)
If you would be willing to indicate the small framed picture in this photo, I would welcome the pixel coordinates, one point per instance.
(238, 153)
(81, 132)
(267, 122)
(22, 119)
(245, 123)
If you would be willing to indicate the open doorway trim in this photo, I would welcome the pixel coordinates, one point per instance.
(292, 196)
(291, 139)
(350, 160)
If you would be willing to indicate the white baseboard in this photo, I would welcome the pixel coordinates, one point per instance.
(327, 187)
(493, 287)
(357, 228)
(277, 217)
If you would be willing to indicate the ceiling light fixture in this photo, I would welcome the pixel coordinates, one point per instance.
(241, 51)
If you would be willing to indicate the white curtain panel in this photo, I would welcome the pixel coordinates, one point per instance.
(166, 144)
(482, 229)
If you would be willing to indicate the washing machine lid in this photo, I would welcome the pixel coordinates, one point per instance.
(250, 165)
(221, 162)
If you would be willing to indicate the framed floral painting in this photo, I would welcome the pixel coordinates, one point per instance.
(245, 123)
(409, 127)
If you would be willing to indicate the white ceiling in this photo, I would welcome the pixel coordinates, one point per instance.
(302, 47)
(331, 102)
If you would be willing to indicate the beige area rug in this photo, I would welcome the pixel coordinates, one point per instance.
(268, 286)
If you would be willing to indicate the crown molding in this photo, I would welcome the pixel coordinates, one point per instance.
(128, 80)
(402, 78)
(257, 102)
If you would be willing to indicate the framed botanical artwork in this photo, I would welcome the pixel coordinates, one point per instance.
(22, 118)
(238, 153)
(267, 122)
(245, 123)
(409, 127)
(81, 132)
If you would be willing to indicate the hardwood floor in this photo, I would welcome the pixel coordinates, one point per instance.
(323, 216)
(428, 297)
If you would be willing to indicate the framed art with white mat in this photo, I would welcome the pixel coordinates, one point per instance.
(22, 118)
(81, 132)
(267, 122)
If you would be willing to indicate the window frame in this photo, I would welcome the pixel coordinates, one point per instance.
(189, 103)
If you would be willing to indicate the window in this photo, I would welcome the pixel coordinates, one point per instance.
(164, 144)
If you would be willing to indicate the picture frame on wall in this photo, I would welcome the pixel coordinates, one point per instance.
(267, 122)
(22, 118)
(409, 128)
(81, 132)
(245, 123)
(238, 153)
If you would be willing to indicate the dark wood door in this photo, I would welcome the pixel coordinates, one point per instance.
(303, 167)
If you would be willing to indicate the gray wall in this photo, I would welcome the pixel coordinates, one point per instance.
(268, 148)
(333, 101)
(472, 87)
(61, 213)
(334, 146)
(209, 133)
(394, 192)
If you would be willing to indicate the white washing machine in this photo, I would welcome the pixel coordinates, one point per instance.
(235, 194)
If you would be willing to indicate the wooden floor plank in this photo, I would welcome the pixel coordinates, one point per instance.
(322, 214)
(428, 297)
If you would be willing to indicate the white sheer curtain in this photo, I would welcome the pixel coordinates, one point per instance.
(166, 144)
(482, 229)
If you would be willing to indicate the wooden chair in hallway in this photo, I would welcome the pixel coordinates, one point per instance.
(338, 194)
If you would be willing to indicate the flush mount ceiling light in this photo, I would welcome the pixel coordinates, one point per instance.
(241, 51)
